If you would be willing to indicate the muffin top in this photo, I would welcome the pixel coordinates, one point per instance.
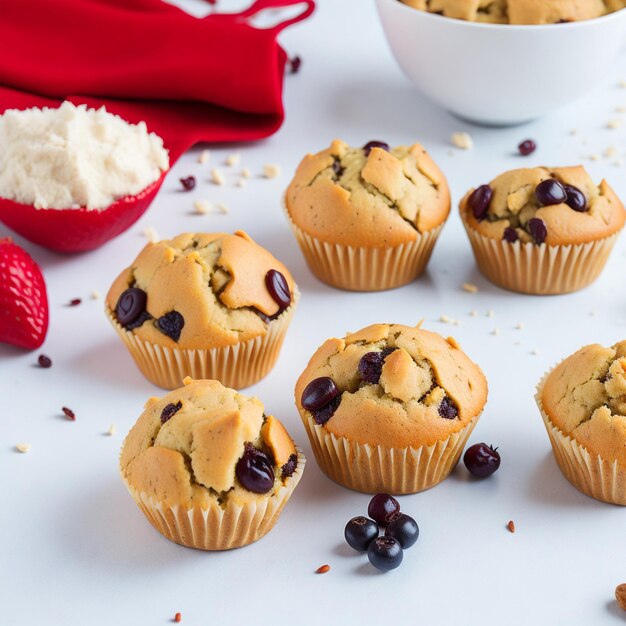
(391, 385)
(519, 11)
(585, 397)
(558, 206)
(201, 291)
(373, 196)
(206, 443)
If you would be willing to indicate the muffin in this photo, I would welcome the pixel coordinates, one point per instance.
(519, 11)
(583, 405)
(542, 230)
(390, 407)
(203, 305)
(208, 468)
(367, 218)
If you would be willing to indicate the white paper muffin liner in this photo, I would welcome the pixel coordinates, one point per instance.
(539, 270)
(596, 477)
(239, 365)
(218, 528)
(374, 469)
(365, 268)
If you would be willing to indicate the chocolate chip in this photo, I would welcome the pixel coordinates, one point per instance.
(527, 147)
(278, 287)
(478, 201)
(130, 306)
(171, 324)
(510, 234)
(319, 393)
(448, 409)
(44, 361)
(188, 183)
(575, 198)
(549, 192)
(371, 365)
(537, 229)
(170, 410)
(367, 148)
(290, 466)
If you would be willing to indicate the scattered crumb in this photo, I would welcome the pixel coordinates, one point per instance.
(246, 173)
(112, 430)
(271, 170)
(462, 140)
(592, 313)
(151, 234)
(490, 313)
(95, 295)
(470, 288)
(495, 331)
(178, 618)
(204, 156)
(69, 414)
(612, 124)
(322, 569)
(511, 526)
(517, 343)
(456, 322)
(620, 109)
(23, 447)
(573, 131)
(241, 183)
(520, 326)
(611, 151)
(594, 157)
(622, 83)
(534, 352)
(217, 178)
(620, 596)
(454, 343)
(233, 159)
(202, 207)
(419, 324)
(474, 313)
(618, 162)
(74, 302)
(451, 153)
(223, 208)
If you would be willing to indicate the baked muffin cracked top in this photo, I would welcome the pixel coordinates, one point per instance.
(558, 206)
(206, 443)
(391, 385)
(519, 11)
(201, 290)
(585, 397)
(373, 196)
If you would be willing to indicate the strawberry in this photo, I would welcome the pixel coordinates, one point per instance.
(23, 298)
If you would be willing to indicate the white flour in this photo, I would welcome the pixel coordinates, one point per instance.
(74, 157)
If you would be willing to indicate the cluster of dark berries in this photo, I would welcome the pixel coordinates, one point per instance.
(384, 552)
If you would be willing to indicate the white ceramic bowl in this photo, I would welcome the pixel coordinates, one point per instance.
(501, 74)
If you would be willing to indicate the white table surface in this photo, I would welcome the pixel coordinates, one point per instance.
(74, 548)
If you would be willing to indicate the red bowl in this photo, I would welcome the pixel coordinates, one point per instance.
(76, 230)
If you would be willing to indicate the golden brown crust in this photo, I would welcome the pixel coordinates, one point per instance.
(214, 280)
(585, 397)
(190, 459)
(403, 409)
(513, 204)
(383, 199)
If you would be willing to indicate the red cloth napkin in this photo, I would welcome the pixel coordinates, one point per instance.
(190, 79)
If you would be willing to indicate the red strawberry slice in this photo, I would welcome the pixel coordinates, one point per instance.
(23, 298)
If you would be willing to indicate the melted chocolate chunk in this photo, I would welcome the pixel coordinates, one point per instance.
(371, 365)
(447, 409)
(131, 306)
(171, 324)
(170, 410)
(290, 466)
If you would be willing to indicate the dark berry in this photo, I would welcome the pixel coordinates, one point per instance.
(321, 416)
(74, 302)
(537, 229)
(290, 466)
(481, 460)
(295, 64)
(338, 168)
(254, 470)
(575, 198)
(549, 192)
(144, 317)
(130, 306)
(44, 361)
(371, 365)
(170, 410)
(527, 147)
(319, 393)
(278, 287)
(69, 413)
(404, 529)
(188, 183)
(382, 507)
(367, 148)
(478, 201)
(171, 324)
(448, 409)
(360, 532)
(510, 234)
(385, 553)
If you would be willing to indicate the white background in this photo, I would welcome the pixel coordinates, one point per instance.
(74, 548)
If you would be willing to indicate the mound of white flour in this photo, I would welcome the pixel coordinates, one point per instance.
(74, 157)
